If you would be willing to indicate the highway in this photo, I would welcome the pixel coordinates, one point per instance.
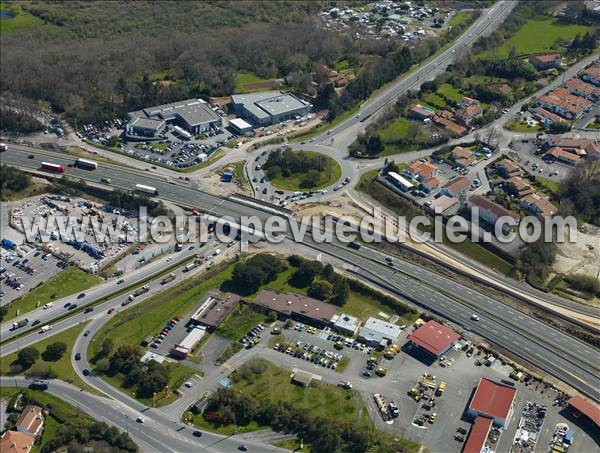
(576, 365)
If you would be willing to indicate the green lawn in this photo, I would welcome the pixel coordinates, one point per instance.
(293, 445)
(296, 180)
(239, 322)
(319, 399)
(246, 82)
(21, 20)
(460, 18)
(322, 127)
(395, 132)
(436, 101)
(71, 281)
(61, 367)
(519, 126)
(552, 186)
(240, 174)
(538, 35)
(450, 92)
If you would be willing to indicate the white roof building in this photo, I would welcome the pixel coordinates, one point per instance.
(346, 324)
(376, 331)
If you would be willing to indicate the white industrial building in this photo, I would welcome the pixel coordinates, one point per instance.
(377, 332)
(269, 107)
(183, 349)
(345, 324)
(240, 126)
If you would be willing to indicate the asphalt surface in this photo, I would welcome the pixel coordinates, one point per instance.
(547, 348)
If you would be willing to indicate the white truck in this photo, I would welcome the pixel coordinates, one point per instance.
(146, 189)
(46, 328)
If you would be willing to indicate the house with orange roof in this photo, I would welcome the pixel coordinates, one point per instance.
(561, 107)
(445, 119)
(592, 75)
(467, 114)
(580, 88)
(561, 155)
(16, 442)
(545, 61)
(421, 170)
(456, 186)
(518, 187)
(463, 156)
(538, 205)
(31, 420)
(578, 101)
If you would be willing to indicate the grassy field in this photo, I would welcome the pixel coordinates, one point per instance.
(450, 92)
(293, 445)
(397, 130)
(15, 19)
(239, 322)
(246, 82)
(295, 180)
(519, 126)
(460, 18)
(538, 35)
(62, 367)
(325, 125)
(240, 174)
(71, 281)
(319, 399)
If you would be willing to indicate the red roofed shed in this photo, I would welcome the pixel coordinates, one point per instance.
(587, 408)
(478, 435)
(434, 338)
(493, 400)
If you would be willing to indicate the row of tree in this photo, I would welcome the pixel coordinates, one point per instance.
(257, 270)
(322, 281)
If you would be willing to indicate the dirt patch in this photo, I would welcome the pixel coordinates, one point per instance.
(581, 257)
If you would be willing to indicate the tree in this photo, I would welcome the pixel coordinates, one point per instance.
(320, 289)
(54, 351)
(27, 357)
(3, 312)
(306, 272)
(312, 179)
(103, 365)
(107, 347)
(374, 145)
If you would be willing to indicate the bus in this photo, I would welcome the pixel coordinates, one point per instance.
(146, 189)
(86, 164)
(53, 167)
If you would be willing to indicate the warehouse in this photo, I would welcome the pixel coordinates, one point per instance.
(378, 333)
(345, 324)
(291, 305)
(269, 107)
(239, 126)
(193, 115)
(183, 349)
(433, 338)
(214, 309)
(494, 401)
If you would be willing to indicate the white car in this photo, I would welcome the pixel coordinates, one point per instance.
(474, 317)
(140, 419)
(48, 305)
(188, 384)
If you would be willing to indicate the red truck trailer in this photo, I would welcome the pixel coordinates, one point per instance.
(53, 167)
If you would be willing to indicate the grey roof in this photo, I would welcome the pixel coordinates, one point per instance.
(346, 322)
(148, 123)
(377, 329)
(269, 103)
(193, 111)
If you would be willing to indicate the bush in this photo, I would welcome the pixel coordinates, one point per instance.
(54, 351)
(27, 357)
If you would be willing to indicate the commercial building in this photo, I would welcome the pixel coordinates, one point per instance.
(183, 349)
(478, 435)
(269, 107)
(433, 338)
(239, 126)
(193, 115)
(214, 309)
(291, 305)
(400, 182)
(377, 332)
(345, 324)
(493, 400)
(585, 407)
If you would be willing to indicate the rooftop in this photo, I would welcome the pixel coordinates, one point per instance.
(148, 123)
(31, 419)
(586, 407)
(434, 337)
(193, 111)
(289, 303)
(344, 321)
(269, 103)
(494, 208)
(457, 184)
(478, 435)
(214, 309)
(376, 330)
(493, 399)
(15, 442)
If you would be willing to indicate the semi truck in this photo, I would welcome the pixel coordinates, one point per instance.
(142, 290)
(86, 164)
(146, 189)
(53, 167)
(169, 278)
(19, 324)
(189, 267)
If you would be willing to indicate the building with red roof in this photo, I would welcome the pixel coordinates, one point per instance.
(493, 400)
(587, 408)
(478, 435)
(433, 338)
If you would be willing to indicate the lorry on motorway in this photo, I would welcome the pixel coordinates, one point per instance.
(3, 147)
(189, 267)
(168, 278)
(57, 168)
(46, 328)
(86, 164)
(142, 290)
(146, 189)
(39, 384)
(19, 324)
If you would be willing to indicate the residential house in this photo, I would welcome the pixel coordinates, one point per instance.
(578, 101)
(545, 61)
(579, 146)
(561, 155)
(518, 187)
(418, 112)
(457, 186)
(507, 168)
(16, 442)
(468, 111)
(539, 205)
(445, 119)
(443, 204)
(31, 421)
(490, 211)
(463, 156)
(430, 184)
(580, 88)
(546, 117)
(421, 170)
(561, 107)
(592, 75)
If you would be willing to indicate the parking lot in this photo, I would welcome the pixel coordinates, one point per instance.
(22, 271)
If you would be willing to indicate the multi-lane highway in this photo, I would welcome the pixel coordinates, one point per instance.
(526, 337)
